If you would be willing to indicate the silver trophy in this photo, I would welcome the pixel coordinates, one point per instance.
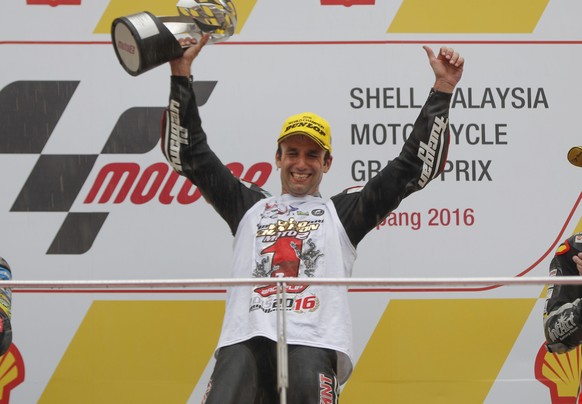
(143, 41)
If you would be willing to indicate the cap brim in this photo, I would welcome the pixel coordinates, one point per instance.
(309, 135)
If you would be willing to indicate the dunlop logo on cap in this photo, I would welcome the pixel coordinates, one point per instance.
(309, 124)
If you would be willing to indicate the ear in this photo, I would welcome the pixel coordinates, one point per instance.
(278, 159)
(327, 164)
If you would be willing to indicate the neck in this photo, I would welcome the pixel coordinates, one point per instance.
(316, 194)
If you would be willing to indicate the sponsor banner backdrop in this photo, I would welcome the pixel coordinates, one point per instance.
(87, 195)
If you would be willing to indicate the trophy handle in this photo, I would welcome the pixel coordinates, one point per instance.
(178, 25)
(182, 26)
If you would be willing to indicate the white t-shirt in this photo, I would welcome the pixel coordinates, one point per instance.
(292, 237)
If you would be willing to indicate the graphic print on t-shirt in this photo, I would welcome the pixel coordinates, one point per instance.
(287, 246)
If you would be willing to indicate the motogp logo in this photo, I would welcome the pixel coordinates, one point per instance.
(30, 111)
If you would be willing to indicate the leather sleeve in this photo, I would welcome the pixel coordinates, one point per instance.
(185, 146)
(421, 160)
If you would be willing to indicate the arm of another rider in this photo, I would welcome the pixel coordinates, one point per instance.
(563, 307)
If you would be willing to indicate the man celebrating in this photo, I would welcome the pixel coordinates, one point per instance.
(297, 234)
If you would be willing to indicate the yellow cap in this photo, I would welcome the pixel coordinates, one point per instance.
(309, 124)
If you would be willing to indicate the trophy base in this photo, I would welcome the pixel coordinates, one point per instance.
(142, 42)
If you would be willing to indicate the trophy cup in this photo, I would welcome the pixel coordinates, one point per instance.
(143, 41)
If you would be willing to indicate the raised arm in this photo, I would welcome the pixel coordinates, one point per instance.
(421, 159)
(184, 144)
(447, 66)
(182, 66)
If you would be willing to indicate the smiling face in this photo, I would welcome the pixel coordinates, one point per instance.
(302, 163)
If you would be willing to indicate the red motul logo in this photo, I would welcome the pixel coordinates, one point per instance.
(347, 3)
(325, 390)
(158, 180)
(129, 48)
(54, 3)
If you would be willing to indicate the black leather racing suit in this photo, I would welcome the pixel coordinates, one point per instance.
(185, 146)
(563, 309)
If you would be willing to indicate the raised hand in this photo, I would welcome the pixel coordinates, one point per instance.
(182, 66)
(447, 66)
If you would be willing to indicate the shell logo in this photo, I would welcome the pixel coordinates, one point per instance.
(560, 373)
(11, 373)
